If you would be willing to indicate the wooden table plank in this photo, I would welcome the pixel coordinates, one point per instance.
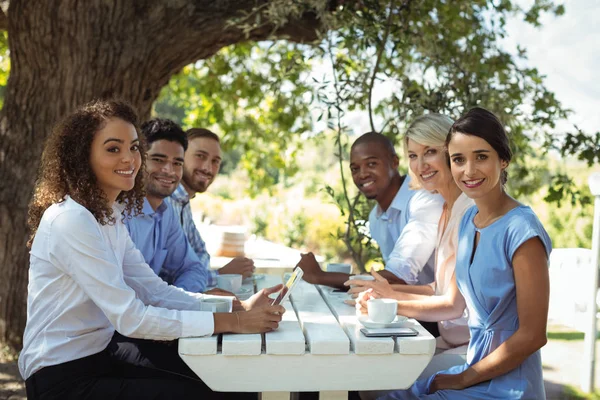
(235, 344)
(346, 316)
(424, 343)
(288, 338)
(323, 333)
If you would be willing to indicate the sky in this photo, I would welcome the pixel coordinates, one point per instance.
(567, 50)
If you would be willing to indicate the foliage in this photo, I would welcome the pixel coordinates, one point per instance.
(436, 57)
(254, 96)
(4, 64)
(427, 56)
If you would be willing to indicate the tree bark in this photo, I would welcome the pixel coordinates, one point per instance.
(65, 53)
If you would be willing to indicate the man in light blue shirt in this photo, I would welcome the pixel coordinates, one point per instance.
(158, 233)
(403, 223)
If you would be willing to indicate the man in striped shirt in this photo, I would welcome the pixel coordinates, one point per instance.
(201, 165)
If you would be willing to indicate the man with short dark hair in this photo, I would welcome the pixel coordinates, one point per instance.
(157, 233)
(201, 166)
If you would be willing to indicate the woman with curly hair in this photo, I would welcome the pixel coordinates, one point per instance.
(87, 280)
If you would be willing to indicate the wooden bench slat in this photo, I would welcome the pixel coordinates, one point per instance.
(346, 316)
(323, 333)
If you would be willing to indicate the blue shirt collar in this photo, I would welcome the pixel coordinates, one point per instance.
(148, 210)
(397, 202)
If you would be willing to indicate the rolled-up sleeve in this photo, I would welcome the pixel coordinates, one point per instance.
(416, 242)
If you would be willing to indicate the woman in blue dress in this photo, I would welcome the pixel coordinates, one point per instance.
(501, 276)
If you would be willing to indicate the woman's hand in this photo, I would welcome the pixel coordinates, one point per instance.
(261, 298)
(446, 381)
(361, 301)
(259, 319)
(380, 286)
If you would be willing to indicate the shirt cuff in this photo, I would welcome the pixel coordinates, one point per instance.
(197, 323)
(402, 271)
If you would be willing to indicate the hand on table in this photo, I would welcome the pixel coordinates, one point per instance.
(446, 381)
(261, 298)
(259, 319)
(239, 265)
(380, 286)
(312, 271)
(361, 301)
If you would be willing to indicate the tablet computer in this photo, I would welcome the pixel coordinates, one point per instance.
(387, 332)
(288, 287)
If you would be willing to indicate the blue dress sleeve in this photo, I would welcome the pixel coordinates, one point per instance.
(525, 225)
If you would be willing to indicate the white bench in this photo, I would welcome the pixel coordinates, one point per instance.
(318, 347)
(569, 268)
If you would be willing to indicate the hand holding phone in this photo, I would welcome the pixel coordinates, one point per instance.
(289, 286)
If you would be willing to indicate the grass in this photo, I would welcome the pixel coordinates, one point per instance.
(571, 393)
(565, 335)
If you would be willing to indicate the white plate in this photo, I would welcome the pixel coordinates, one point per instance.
(367, 323)
(254, 278)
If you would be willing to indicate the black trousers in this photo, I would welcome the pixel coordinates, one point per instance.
(431, 327)
(126, 369)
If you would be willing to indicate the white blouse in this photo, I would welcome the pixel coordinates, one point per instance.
(88, 279)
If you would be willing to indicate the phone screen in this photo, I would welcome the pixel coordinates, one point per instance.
(288, 285)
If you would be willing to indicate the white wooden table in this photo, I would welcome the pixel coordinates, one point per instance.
(318, 347)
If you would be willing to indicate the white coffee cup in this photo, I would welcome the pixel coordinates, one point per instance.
(363, 277)
(339, 267)
(215, 305)
(229, 282)
(382, 311)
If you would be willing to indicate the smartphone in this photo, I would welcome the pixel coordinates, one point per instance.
(342, 290)
(288, 287)
(387, 332)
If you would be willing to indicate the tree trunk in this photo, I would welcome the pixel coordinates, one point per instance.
(67, 52)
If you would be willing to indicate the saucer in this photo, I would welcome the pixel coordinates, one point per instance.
(367, 323)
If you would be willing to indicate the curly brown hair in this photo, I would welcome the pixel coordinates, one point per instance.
(65, 168)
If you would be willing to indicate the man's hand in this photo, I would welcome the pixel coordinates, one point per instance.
(239, 265)
(312, 271)
(259, 320)
(380, 286)
(361, 301)
(261, 298)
